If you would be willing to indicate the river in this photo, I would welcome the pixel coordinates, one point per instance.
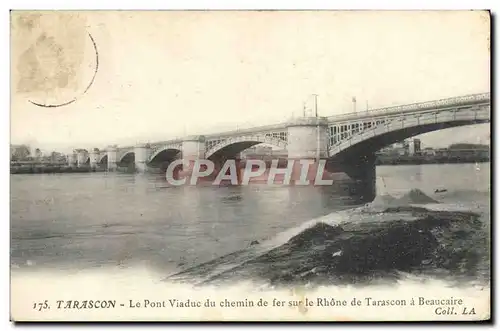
(123, 225)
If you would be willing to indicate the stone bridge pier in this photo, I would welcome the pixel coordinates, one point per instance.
(81, 157)
(193, 148)
(112, 157)
(307, 144)
(93, 158)
(361, 169)
(142, 153)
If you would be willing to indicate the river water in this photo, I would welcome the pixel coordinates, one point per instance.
(122, 225)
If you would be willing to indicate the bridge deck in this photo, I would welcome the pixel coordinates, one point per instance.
(461, 101)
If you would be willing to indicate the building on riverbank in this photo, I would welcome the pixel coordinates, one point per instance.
(19, 152)
(456, 153)
(407, 147)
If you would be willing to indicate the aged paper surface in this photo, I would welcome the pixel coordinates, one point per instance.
(250, 166)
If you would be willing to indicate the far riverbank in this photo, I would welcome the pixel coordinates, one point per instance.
(60, 169)
(51, 169)
(416, 160)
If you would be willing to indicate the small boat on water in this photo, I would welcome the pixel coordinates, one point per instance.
(440, 190)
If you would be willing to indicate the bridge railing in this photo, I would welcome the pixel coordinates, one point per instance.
(403, 122)
(448, 102)
(208, 136)
(456, 101)
(250, 129)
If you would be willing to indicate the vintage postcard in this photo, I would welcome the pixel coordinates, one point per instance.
(250, 166)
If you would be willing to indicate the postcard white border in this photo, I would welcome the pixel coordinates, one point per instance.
(147, 4)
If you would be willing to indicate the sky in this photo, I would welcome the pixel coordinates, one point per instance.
(164, 74)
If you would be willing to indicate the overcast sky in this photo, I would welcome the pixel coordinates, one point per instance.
(166, 74)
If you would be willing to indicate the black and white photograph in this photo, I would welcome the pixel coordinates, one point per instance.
(250, 165)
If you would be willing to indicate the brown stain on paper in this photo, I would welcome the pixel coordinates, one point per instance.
(49, 49)
(300, 293)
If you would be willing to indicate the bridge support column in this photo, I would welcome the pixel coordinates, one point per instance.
(142, 153)
(81, 158)
(361, 170)
(93, 155)
(307, 140)
(193, 148)
(112, 156)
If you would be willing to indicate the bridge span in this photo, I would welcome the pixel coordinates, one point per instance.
(347, 141)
